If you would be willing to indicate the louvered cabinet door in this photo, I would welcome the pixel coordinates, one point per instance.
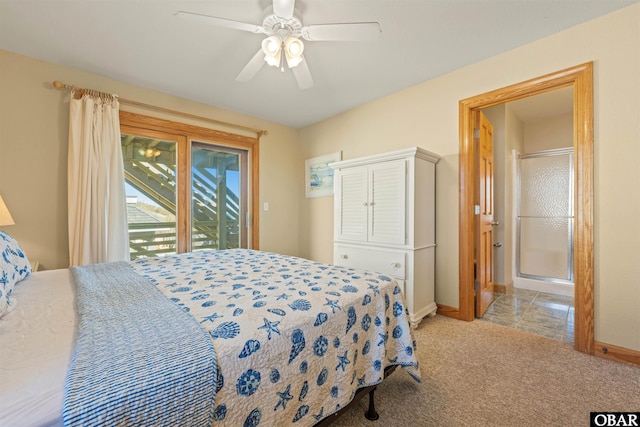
(386, 202)
(351, 204)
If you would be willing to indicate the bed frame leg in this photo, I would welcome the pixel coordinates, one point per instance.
(371, 413)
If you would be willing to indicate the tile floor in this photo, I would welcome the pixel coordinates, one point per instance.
(536, 312)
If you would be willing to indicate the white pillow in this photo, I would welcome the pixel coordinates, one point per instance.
(14, 267)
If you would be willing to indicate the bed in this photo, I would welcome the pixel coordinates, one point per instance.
(264, 339)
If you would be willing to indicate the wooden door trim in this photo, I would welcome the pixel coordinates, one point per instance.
(580, 78)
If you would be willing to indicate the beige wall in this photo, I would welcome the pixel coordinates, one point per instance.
(549, 134)
(33, 156)
(427, 115)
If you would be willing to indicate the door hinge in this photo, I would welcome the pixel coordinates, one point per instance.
(476, 209)
(476, 133)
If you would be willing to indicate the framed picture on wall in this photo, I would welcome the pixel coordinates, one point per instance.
(319, 176)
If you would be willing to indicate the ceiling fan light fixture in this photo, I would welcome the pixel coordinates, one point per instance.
(272, 48)
(284, 31)
(293, 48)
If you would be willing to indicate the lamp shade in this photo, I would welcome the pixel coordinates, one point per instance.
(5, 216)
(293, 48)
(272, 48)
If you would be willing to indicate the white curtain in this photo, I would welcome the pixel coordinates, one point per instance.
(96, 196)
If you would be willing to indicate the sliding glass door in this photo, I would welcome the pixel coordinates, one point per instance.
(151, 185)
(183, 195)
(218, 197)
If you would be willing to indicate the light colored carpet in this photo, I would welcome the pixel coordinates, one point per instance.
(482, 374)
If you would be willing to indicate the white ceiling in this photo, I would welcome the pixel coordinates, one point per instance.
(141, 42)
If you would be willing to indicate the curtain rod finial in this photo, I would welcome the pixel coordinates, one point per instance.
(59, 85)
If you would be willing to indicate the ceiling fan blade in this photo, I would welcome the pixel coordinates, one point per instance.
(284, 8)
(303, 75)
(220, 22)
(355, 31)
(252, 67)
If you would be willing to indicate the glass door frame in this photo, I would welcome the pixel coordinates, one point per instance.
(182, 221)
(243, 196)
(134, 123)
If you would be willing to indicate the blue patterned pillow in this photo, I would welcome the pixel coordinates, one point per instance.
(14, 267)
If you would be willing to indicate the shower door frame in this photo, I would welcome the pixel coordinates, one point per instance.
(571, 218)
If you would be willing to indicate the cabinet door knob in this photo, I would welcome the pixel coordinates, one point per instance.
(395, 264)
(365, 204)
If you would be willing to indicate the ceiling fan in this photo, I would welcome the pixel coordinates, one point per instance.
(282, 44)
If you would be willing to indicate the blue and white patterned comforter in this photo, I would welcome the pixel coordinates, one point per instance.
(245, 338)
(294, 339)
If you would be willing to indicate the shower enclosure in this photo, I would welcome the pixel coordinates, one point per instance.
(544, 222)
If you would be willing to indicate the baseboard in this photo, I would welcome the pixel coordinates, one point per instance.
(499, 288)
(445, 310)
(618, 354)
(505, 289)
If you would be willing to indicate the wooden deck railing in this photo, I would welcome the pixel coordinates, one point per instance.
(159, 238)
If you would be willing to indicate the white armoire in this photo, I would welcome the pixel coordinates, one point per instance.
(384, 208)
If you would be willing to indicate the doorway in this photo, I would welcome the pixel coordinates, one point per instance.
(580, 78)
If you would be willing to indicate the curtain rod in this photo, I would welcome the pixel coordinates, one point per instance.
(259, 132)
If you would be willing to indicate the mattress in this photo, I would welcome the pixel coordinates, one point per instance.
(37, 342)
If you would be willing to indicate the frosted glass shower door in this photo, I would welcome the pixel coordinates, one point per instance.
(545, 216)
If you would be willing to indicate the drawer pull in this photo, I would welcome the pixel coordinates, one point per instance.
(395, 264)
(344, 256)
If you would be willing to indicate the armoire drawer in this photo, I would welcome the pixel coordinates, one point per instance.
(391, 263)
